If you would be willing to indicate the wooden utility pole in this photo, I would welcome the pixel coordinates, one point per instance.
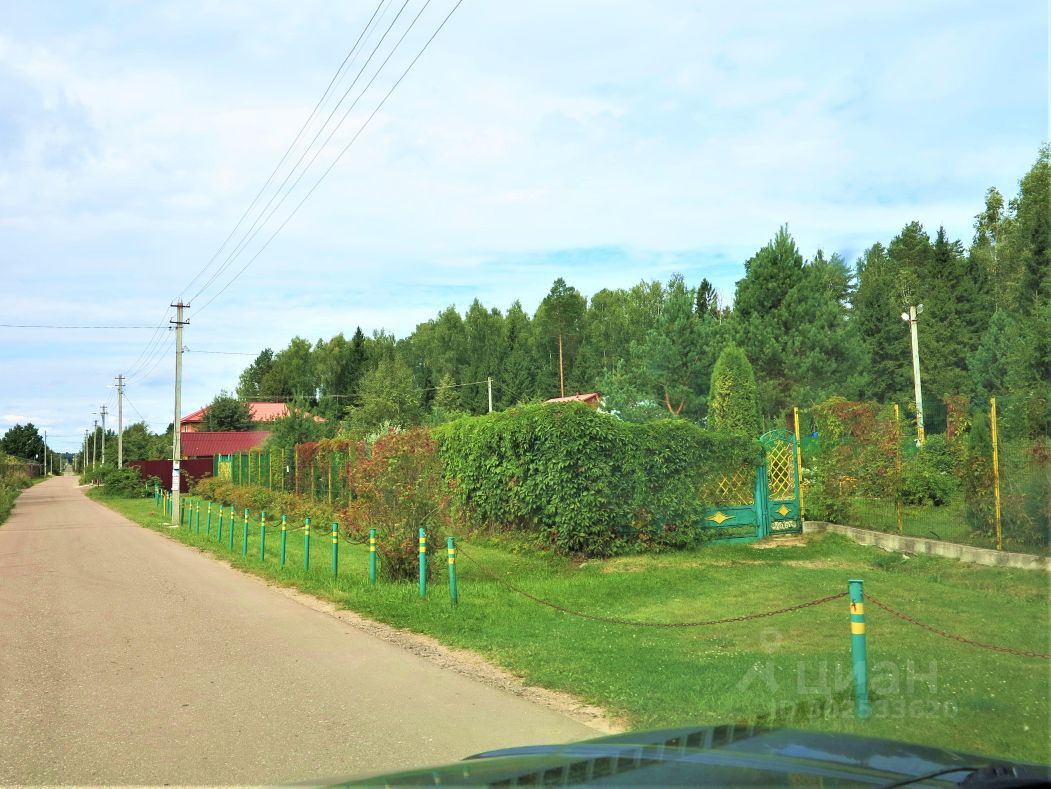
(95, 444)
(120, 421)
(177, 438)
(561, 374)
(489, 382)
(102, 413)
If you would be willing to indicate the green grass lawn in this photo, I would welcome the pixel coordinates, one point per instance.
(791, 669)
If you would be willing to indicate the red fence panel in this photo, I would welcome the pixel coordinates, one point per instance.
(162, 469)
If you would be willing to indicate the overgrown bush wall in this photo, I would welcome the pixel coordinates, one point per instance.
(586, 482)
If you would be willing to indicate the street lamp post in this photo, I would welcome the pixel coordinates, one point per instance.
(910, 318)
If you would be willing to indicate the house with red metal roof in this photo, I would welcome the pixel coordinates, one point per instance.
(259, 412)
(227, 442)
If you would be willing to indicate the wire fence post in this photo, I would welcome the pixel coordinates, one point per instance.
(858, 651)
(306, 545)
(284, 537)
(372, 556)
(262, 536)
(996, 475)
(423, 562)
(244, 538)
(335, 549)
(451, 544)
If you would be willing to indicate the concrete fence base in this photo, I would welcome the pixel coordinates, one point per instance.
(922, 545)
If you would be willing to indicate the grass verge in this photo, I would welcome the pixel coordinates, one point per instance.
(791, 670)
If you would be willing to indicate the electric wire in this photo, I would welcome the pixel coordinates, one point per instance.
(284, 156)
(346, 148)
(264, 217)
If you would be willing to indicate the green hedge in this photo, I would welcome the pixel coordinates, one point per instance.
(586, 482)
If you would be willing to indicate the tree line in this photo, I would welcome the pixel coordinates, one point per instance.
(811, 328)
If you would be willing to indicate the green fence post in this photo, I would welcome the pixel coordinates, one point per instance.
(452, 571)
(423, 562)
(182, 515)
(306, 545)
(284, 537)
(208, 522)
(335, 549)
(262, 537)
(156, 496)
(857, 650)
(219, 530)
(372, 556)
(244, 539)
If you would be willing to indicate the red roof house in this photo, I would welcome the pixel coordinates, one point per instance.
(593, 399)
(260, 412)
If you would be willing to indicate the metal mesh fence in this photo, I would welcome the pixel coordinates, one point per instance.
(984, 480)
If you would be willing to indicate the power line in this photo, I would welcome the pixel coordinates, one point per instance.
(224, 353)
(264, 217)
(291, 146)
(342, 152)
(53, 326)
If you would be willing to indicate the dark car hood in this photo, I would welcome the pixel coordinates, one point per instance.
(711, 756)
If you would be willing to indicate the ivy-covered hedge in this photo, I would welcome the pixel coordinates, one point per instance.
(586, 482)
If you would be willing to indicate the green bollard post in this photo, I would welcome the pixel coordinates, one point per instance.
(156, 496)
(219, 531)
(262, 537)
(857, 650)
(335, 549)
(244, 539)
(372, 556)
(423, 562)
(182, 515)
(197, 527)
(230, 536)
(306, 544)
(284, 537)
(208, 522)
(452, 571)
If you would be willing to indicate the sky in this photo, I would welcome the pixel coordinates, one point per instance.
(604, 142)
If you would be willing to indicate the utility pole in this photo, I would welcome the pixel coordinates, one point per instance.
(489, 381)
(95, 444)
(84, 454)
(45, 453)
(561, 376)
(177, 438)
(120, 421)
(102, 411)
(910, 317)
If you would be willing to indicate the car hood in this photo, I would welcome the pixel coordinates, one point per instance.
(719, 756)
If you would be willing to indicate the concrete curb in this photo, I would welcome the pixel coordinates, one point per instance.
(922, 545)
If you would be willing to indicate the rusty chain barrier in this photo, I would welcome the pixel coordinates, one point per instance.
(611, 620)
(953, 636)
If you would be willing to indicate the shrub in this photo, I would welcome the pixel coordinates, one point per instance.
(398, 487)
(125, 482)
(927, 476)
(587, 482)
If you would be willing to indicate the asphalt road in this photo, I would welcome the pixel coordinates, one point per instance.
(126, 657)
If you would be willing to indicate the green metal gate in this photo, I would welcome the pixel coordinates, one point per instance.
(756, 504)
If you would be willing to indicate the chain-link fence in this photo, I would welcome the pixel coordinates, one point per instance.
(985, 480)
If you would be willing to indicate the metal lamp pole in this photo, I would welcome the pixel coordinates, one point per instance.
(910, 318)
